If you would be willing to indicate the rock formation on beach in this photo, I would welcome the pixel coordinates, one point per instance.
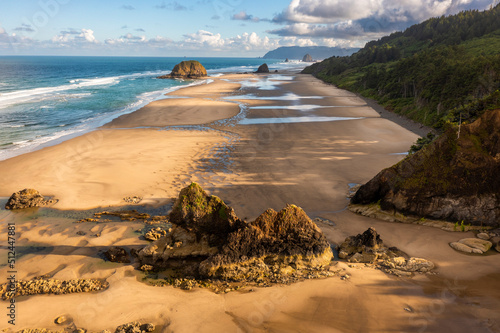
(51, 286)
(454, 179)
(307, 58)
(27, 198)
(208, 240)
(263, 69)
(368, 247)
(190, 69)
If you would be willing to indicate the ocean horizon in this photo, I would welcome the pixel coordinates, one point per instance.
(45, 100)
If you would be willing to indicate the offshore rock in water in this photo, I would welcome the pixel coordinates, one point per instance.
(263, 69)
(452, 179)
(210, 241)
(27, 198)
(190, 69)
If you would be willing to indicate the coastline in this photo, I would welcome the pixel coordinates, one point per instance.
(252, 167)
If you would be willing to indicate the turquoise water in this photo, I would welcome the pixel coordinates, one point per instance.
(44, 100)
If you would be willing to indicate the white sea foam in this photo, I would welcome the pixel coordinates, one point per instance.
(303, 107)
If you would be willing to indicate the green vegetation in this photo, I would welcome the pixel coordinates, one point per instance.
(444, 70)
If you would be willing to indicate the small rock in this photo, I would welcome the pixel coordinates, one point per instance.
(148, 327)
(117, 254)
(81, 233)
(155, 234)
(146, 268)
(483, 235)
(60, 320)
(408, 310)
(476, 243)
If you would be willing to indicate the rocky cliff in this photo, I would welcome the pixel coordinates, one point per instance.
(191, 69)
(209, 241)
(456, 178)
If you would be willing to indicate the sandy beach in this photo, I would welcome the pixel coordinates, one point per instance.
(257, 142)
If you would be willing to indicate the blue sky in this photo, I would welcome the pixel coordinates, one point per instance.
(205, 27)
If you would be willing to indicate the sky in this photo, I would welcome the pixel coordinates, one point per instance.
(224, 28)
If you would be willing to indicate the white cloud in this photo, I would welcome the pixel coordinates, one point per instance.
(73, 36)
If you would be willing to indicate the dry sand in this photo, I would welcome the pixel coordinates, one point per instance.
(309, 164)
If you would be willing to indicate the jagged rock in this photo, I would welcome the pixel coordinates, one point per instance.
(27, 198)
(286, 60)
(117, 254)
(191, 69)
(263, 69)
(472, 245)
(367, 247)
(483, 235)
(307, 58)
(155, 234)
(451, 179)
(208, 240)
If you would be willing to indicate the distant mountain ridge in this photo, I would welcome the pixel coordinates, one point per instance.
(316, 52)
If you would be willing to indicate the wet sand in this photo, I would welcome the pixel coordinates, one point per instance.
(252, 167)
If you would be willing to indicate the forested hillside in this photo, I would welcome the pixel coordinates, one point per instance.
(443, 70)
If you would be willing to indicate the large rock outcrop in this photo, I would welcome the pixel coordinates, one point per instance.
(452, 179)
(209, 241)
(190, 69)
(263, 69)
(27, 198)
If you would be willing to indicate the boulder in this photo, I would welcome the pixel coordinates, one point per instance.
(135, 327)
(472, 245)
(117, 254)
(483, 235)
(190, 69)
(27, 198)
(286, 60)
(263, 69)
(452, 179)
(208, 240)
(307, 58)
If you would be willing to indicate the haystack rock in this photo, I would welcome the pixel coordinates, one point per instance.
(454, 178)
(263, 69)
(27, 198)
(209, 241)
(190, 69)
(307, 58)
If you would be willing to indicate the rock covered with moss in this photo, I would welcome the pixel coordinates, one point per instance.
(190, 69)
(454, 179)
(209, 241)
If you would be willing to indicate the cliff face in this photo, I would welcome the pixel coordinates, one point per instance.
(452, 179)
(191, 69)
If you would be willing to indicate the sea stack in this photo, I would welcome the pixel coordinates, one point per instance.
(307, 58)
(455, 178)
(190, 69)
(263, 69)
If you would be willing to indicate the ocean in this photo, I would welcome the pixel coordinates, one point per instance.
(45, 100)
